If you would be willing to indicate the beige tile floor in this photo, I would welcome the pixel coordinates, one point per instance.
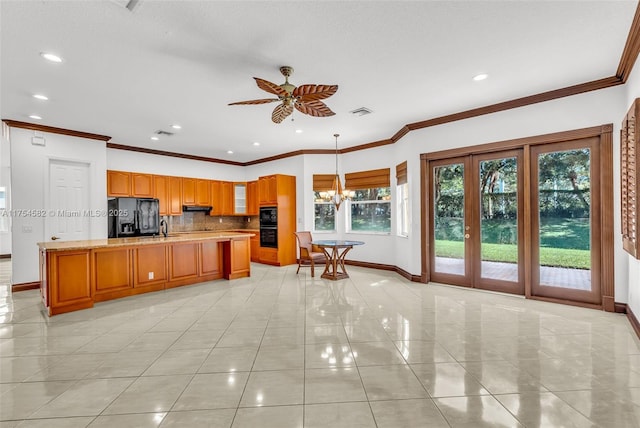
(285, 350)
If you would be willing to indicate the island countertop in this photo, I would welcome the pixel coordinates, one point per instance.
(142, 240)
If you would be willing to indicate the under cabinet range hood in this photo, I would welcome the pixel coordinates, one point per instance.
(192, 208)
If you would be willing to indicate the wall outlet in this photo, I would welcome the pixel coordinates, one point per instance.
(27, 229)
(150, 275)
(220, 219)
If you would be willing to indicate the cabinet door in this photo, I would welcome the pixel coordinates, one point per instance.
(255, 247)
(188, 191)
(210, 258)
(252, 198)
(141, 185)
(226, 197)
(112, 271)
(267, 190)
(216, 198)
(237, 256)
(161, 192)
(183, 261)
(118, 183)
(175, 196)
(150, 265)
(240, 198)
(69, 281)
(203, 192)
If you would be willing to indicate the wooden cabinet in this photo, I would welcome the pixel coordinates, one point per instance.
(253, 206)
(168, 191)
(175, 196)
(268, 190)
(118, 183)
(216, 198)
(111, 273)
(254, 242)
(183, 263)
(280, 191)
(161, 192)
(226, 198)
(68, 280)
(240, 198)
(188, 191)
(210, 259)
(203, 192)
(237, 256)
(150, 265)
(141, 185)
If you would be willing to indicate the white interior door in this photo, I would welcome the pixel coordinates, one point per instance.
(68, 210)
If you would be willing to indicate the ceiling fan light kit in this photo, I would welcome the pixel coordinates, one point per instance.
(304, 98)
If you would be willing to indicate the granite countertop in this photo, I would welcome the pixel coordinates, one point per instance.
(141, 240)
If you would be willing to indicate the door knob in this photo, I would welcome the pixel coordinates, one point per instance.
(466, 235)
(53, 238)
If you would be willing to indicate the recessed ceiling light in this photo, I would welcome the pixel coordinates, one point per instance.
(155, 138)
(230, 152)
(298, 131)
(256, 143)
(479, 77)
(35, 116)
(176, 126)
(41, 97)
(50, 57)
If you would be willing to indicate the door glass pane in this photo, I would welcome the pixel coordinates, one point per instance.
(449, 218)
(499, 219)
(564, 209)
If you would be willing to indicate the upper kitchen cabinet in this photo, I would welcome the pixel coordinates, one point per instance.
(118, 183)
(268, 190)
(240, 198)
(226, 198)
(188, 191)
(141, 185)
(203, 192)
(168, 190)
(253, 206)
(216, 198)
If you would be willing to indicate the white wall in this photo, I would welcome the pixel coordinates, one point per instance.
(29, 178)
(633, 91)
(5, 181)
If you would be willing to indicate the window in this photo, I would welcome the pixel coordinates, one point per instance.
(402, 195)
(370, 208)
(629, 173)
(324, 218)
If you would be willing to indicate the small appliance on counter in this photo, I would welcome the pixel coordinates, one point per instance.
(133, 217)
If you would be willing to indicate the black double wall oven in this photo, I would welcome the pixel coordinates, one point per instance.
(269, 227)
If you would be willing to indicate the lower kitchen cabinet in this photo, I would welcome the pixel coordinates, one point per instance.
(237, 256)
(254, 242)
(210, 259)
(150, 265)
(111, 273)
(183, 263)
(68, 280)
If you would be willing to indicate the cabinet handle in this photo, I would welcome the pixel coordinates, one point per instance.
(53, 238)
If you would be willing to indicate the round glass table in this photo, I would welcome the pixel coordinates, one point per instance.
(335, 252)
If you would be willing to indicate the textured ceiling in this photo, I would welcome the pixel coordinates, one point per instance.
(128, 73)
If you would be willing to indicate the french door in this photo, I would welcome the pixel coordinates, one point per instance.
(531, 220)
(477, 222)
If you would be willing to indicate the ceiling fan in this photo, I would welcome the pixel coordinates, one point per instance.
(305, 98)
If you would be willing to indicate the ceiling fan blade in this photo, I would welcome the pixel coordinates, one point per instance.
(281, 112)
(314, 92)
(272, 88)
(314, 108)
(261, 101)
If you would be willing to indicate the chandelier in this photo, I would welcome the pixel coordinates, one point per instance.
(337, 194)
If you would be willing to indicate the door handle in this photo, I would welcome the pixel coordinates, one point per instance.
(466, 236)
(53, 238)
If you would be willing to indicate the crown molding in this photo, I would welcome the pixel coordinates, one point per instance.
(54, 130)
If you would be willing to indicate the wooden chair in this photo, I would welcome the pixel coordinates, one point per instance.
(309, 255)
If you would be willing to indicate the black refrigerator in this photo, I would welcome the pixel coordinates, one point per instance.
(133, 217)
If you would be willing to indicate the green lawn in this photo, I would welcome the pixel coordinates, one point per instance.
(559, 257)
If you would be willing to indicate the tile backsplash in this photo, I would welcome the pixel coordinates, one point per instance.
(190, 221)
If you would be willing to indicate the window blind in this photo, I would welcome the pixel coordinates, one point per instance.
(401, 173)
(322, 182)
(368, 179)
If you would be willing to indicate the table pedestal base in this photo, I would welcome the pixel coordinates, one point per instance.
(334, 268)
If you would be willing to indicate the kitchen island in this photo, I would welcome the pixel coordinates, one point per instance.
(76, 274)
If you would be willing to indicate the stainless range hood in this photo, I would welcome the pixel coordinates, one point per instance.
(192, 208)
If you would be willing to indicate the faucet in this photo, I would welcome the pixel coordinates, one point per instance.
(163, 229)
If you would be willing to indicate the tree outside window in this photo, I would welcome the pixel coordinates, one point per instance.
(370, 210)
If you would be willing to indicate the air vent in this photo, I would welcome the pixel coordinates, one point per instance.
(362, 111)
(161, 132)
